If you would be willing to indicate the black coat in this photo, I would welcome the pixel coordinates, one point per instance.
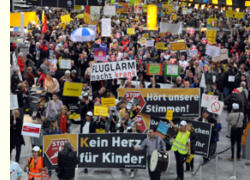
(67, 161)
(16, 139)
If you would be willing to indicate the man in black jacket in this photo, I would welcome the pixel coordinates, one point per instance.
(67, 161)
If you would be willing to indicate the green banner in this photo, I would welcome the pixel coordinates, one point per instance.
(172, 70)
(154, 69)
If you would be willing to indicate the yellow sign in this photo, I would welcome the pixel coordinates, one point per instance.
(239, 15)
(75, 116)
(178, 46)
(60, 138)
(169, 114)
(174, 17)
(145, 35)
(101, 111)
(130, 31)
(65, 19)
(160, 46)
(152, 17)
(214, 1)
(15, 19)
(87, 19)
(108, 101)
(144, 8)
(229, 13)
(229, 2)
(170, 9)
(212, 21)
(211, 36)
(72, 89)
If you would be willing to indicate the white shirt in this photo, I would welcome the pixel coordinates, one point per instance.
(15, 170)
(85, 128)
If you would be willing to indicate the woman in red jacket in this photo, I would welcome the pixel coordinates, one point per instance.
(21, 62)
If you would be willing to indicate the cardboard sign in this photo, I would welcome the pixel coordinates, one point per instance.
(113, 70)
(223, 55)
(169, 114)
(150, 43)
(52, 144)
(178, 46)
(101, 111)
(109, 11)
(108, 101)
(154, 69)
(111, 150)
(170, 27)
(13, 102)
(212, 51)
(106, 27)
(208, 99)
(72, 89)
(172, 70)
(216, 107)
(160, 46)
(211, 36)
(130, 31)
(30, 129)
(100, 54)
(185, 102)
(65, 64)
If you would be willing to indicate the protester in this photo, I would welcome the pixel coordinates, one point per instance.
(54, 107)
(67, 161)
(235, 119)
(151, 143)
(15, 171)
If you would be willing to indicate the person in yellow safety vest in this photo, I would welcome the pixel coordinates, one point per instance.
(181, 147)
(35, 165)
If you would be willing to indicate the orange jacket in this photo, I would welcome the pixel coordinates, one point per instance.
(35, 172)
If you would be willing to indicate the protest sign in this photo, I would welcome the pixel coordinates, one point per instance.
(169, 114)
(211, 22)
(150, 43)
(202, 132)
(211, 36)
(106, 27)
(137, 10)
(239, 15)
(172, 28)
(52, 144)
(160, 46)
(108, 101)
(154, 69)
(13, 102)
(172, 70)
(95, 12)
(101, 111)
(130, 31)
(113, 70)
(152, 17)
(109, 11)
(212, 51)
(75, 116)
(111, 150)
(30, 129)
(100, 54)
(208, 99)
(178, 46)
(215, 107)
(184, 102)
(223, 55)
(229, 13)
(65, 64)
(72, 89)
(140, 123)
(162, 127)
(193, 52)
(65, 19)
(52, 65)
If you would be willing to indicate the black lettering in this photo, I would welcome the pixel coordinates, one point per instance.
(124, 66)
(117, 66)
(106, 67)
(131, 65)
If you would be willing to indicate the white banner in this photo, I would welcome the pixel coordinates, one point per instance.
(13, 102)
(65, 64)
(208, 99)
(172, 28)
(95, 12)
(30, 129)
(113, 70)
(106, 27)
(223, 55)
(150, 43)
(212, 51)
(109, 11)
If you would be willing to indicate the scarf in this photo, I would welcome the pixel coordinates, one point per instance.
(63, 122)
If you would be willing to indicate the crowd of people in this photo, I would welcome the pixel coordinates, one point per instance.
(52, 110)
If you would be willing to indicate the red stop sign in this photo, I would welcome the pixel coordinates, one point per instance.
(53, 149)
(137, 95)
